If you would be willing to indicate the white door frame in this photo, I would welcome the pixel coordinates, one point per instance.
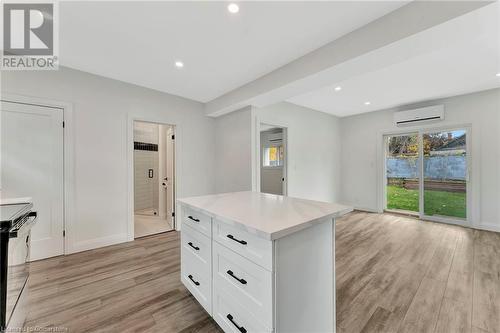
(130, 168)
(257, 152)
(68, 160)
(473, 213)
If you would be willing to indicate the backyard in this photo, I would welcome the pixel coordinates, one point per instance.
(435, 202)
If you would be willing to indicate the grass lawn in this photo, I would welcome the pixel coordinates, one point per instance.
(436, 202)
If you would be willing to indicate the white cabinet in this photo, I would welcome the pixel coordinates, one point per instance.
(250, 246)
(198, 245)
(250, 284)
(254, 277)
(197, 220)
(197, 280)
(196, 265)
(234, 267)
(233, 317)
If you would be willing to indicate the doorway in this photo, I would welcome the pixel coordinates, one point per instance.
(154, 178)
(32, 167)
(273, 166)
(427, 174)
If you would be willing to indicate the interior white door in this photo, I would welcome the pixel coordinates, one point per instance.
(32, 166)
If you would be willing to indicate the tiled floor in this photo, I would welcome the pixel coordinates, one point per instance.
(150, 225)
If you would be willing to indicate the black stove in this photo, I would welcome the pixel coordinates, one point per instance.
(16, 221)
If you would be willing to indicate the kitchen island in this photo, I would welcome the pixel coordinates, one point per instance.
(261, 262)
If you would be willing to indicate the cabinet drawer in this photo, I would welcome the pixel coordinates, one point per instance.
(197, 279)
(233, 317)
(198, 221)
(196, 244)
(250, 246)
(246, 281)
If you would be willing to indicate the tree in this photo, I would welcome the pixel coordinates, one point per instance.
(405, 145)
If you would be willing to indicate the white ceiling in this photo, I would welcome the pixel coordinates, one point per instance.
(139, 42)
(461, 56)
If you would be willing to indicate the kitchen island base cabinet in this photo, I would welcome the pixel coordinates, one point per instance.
(305, 280)
(233, 317)
(196, 265)
(261, 281)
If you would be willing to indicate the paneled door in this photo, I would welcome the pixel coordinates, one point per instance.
(32, 166)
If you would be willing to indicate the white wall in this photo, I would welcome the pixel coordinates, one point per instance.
(360, 170)
(313, 148)
(233, 153)
(102, 108)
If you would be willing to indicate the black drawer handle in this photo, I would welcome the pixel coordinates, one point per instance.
(242, 281)
(194, 247)
(193, 219)
(237, 240)
(196, 283)
(240, 328)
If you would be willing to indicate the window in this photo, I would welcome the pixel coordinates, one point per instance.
(273, 156)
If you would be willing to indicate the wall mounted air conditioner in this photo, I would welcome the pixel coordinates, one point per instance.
(430, 113)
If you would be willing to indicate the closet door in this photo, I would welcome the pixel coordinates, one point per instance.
(32, 166)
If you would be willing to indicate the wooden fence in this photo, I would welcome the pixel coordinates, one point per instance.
(433, 185)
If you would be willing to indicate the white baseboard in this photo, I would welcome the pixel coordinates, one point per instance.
(363, 209)
(98, 242)
(368, 210)
(488, 227)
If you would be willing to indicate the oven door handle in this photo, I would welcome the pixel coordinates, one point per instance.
(28, 224)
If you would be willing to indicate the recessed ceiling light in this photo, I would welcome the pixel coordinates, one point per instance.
(498, 74)
(368, 103)
(233, 8)
(339, 88)
(179, 64)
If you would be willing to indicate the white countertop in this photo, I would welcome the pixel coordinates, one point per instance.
(266, 215)
(10, 201)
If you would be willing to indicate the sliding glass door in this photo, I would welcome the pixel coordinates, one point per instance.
(402, 173)
(445, 174)
(426, 174)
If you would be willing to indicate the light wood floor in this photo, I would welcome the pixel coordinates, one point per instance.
(394, 274)
(398, 274)
(131, 287)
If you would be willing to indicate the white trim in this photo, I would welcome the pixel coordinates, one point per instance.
(488, 227)
(100, 242)
(130, 168)
(366, 209)
(402, 212)
(473, 161)
(256, 155)
(69, 158)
